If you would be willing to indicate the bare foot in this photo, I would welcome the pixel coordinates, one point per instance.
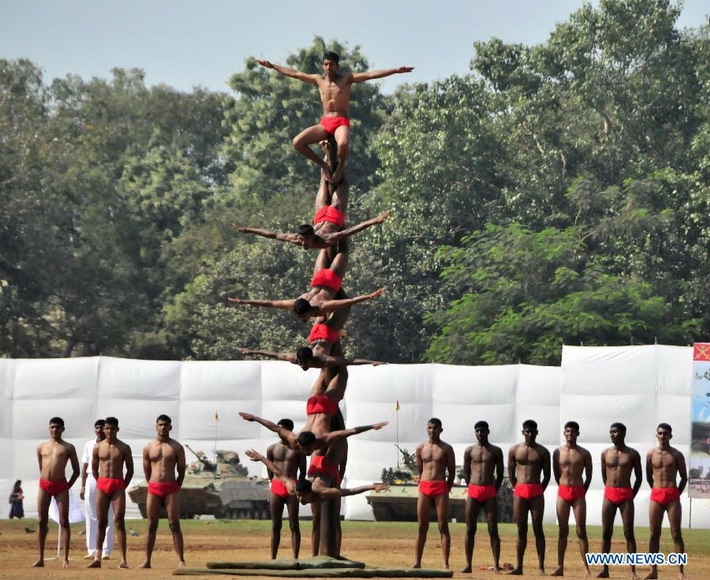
(182, 563)
(633, 574)
(446, 566)
(416, 566)
(39, 563)
(587, 573)
(652, 575)
(541, 572)
(559, 571)
(65, 564)
(495, 569)
(95, 564)
(144, 565)
(516, 572)
(603, 574)
(466, 570)
(123, 564)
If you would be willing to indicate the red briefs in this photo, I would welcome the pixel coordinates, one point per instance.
(664, 495)
(110, 486)
(278, 488)
(618, 495)
(528, 490)
(321, 404)
(433, 488)
(571, 493)
(481, 493)
(328, 213)
(53, 487)
(321, 331)
(163, 489)
(321, 465)
(330, 124)
(326, 278)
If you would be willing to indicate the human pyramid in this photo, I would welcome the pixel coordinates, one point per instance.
(324, 436)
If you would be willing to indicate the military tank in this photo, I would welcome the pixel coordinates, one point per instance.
(221, 488)
(399, 502)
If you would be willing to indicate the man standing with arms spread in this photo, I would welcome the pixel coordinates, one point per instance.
(663, 464)
(572, 467)
(293, 465)
(334, 90)
(618, 462)
(483, 473)
(162, 458)
(526, 461)
(107, 461)
(88, 494)
(437, 468)
(53, 457)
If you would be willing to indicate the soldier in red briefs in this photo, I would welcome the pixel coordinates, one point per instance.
(437, 469)
(618, 463)
(108, 459)
(308, 358)
(483, 473)
(53, 457)
(293, 465)
(164, 468)
(526, 462)
(663, 465)
(334, 90)
(572, 467)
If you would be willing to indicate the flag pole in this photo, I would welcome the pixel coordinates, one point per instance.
(214, 449)
(396, 422)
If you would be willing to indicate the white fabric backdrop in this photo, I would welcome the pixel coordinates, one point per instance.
(637, 385)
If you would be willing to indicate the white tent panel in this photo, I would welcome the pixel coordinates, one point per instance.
(138, 379)
(34, 379)
(196, 420)
(30, 418)
(538, 386)
(219, 380)
(284, 381)
(674, 368)
(136, 418)
(474, 385)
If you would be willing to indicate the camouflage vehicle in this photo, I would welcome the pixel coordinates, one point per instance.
(399, 503)
(220, 488)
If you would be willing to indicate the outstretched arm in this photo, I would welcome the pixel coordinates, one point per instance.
(287, 481)
(267, 353)
(333, 436)
(378, 74)
(290, 72)
(280, 304)
(328, 306)
(271, 426)
(334, 237)
(378, 487)
(291, 238)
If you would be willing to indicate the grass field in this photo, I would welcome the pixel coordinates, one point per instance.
(389, 544)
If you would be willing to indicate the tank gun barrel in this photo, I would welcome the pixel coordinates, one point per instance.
(209, 466)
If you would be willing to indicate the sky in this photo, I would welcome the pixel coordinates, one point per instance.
(185, 43)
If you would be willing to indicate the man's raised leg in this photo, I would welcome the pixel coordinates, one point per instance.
(342, 138)
(308, 137)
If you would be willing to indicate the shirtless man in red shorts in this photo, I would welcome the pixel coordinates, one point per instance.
(663, 465)
(162, 458)
(109, 457)
(292, 464)
(527, 461)
(53, 457)
(618, 463)
(334, 90)
(572, 467)
(437, 469)
(483, 473)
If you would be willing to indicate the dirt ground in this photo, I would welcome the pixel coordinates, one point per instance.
(387, 544)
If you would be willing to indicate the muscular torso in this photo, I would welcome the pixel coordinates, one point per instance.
(55, 455)
(664, 463)
(434, 461)
(619, 465)
(571, 462)
(335, 95)
(482, 464)
(287, 460)
(163, 457)
(528, 463)
(111, 458)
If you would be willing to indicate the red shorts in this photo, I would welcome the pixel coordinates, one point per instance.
(321, 404)
(481, 493)
(330, 124)
(163, 489)
(326, 278)
(433, 488)
(571, 493)
(53, 488)
(328, 213)
(110, 486)
(528, 490)
(278, 488)
(321, 465)
(321, 331)
(618, 495)
(664, 495)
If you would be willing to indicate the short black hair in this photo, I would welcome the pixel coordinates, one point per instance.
(57, 421)
(572, 425)
(286, 424)
(304, 354)
(330, 55)
(620, 426)
(664, 426)
(306, 438)
(305, 230)
(301, 306)
(435, 421)
(99, 423)
(530, 424)
(111, 421)
(304, 485)
(482, 425)
(165, 418)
